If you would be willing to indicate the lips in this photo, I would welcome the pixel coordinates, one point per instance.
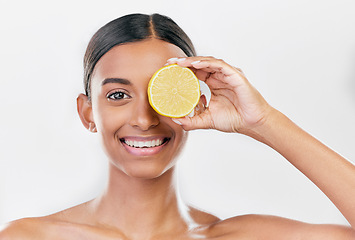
(144, 146)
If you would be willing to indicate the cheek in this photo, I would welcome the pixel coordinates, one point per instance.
(108, 118)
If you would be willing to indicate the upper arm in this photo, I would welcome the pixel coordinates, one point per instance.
(273, 228)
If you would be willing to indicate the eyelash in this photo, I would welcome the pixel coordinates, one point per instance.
(117, 95)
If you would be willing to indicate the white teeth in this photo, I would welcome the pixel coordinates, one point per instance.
(142, 144)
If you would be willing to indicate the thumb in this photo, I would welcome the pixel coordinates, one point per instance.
(192, 123)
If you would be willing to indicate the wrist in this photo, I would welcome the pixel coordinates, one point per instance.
(266, 127)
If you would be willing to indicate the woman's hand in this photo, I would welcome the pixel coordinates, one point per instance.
(235, 106)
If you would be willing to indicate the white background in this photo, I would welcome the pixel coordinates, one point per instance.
(299, 54)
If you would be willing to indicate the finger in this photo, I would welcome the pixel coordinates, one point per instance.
(207, 67)
(201, 121)
(208, 64)
(189, 60)
(200, 74)
(214, 84)
(200, 107)
(211, 78)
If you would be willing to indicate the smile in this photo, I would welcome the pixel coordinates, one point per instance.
(145, 144)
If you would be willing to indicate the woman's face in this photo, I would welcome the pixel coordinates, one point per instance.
(138, 141)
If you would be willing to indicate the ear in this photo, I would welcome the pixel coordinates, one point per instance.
(84, 108)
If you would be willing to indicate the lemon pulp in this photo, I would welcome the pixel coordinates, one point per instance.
(173, 91)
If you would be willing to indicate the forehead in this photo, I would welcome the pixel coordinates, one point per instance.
(135, 60)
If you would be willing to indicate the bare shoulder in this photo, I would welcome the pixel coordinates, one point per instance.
(37, 227)
(22, 229)
(202, 217)
(34, 228)
(272, 227)
(53, 227)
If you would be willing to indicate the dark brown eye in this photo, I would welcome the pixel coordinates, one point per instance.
(117, 95)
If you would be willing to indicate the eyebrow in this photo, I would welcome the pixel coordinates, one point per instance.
(116, 80)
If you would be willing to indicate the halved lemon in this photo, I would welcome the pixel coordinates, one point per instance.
(174, 91)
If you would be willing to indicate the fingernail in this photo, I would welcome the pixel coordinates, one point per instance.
(181, 59)
(176, 121)
(195, 62)
(172, 59)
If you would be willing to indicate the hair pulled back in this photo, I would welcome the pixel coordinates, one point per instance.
(132, 28)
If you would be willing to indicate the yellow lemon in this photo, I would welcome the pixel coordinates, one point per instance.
(174, 91)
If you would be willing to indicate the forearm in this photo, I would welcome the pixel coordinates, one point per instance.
(333, 174)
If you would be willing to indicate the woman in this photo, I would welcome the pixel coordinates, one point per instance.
(140, 200)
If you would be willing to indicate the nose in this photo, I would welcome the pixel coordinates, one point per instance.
(143, 115)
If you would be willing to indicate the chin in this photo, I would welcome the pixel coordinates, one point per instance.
(146, 170)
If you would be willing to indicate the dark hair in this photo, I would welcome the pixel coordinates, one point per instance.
(132, 28)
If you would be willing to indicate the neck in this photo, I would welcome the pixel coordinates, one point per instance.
(142, 208)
